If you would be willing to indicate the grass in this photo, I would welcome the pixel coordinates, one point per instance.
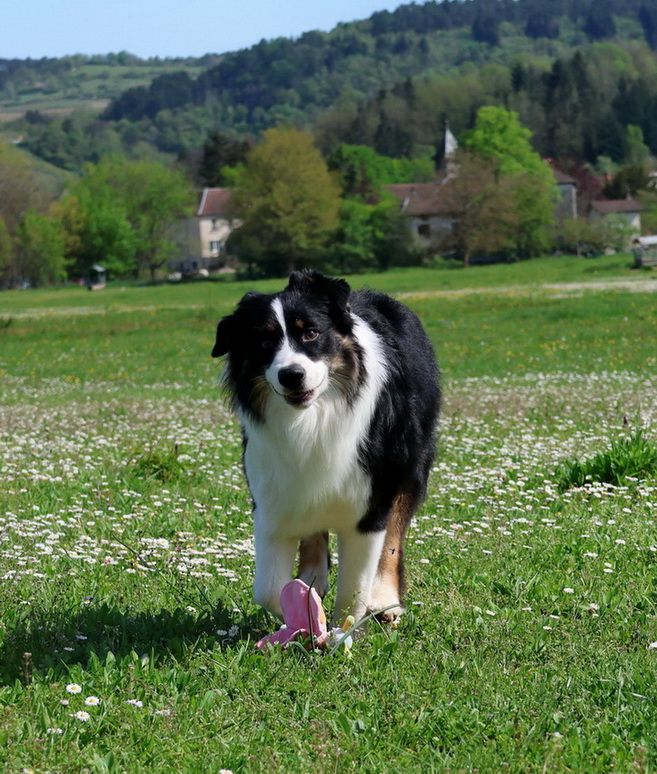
(630, 458)
(126, 558)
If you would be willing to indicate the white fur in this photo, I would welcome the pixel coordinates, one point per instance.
(302, 467)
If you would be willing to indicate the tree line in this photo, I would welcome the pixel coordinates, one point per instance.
(296, 207)
(119, 213)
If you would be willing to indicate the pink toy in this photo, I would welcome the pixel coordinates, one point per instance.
(304, 618)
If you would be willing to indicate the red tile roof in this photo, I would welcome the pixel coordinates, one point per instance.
(215, 202)
(612, 206)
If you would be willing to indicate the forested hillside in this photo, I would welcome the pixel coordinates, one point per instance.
(578, 72)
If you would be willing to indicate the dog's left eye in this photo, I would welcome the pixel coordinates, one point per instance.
(310, 335)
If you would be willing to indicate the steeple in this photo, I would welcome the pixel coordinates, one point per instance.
(449, 162)
(451, 143)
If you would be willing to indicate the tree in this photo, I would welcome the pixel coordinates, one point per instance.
(220, 151)
(477, 200)
(582, 237)
(484, 30)
(96, 230)
(363, 172)
(149, 197)
(287, 201)
(599, 23)
(371, 236)
(637, 152)
(628, 181)
(499, 137)
(41, 258)
(6, 254)
(20, 188)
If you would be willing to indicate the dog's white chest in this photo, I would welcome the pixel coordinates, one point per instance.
(304, 472)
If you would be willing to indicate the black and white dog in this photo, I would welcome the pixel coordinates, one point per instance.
(337, 392)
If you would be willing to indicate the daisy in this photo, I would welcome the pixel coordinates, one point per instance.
(92, 701)
(81, 715)
(73, 688)
(135, 702)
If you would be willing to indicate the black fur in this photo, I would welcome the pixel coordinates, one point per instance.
(400, 445)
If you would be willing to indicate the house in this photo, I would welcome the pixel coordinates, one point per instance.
(215, 222)
(424, 205)
(202, 239)
(427, 206)
(566, 207)
(628, 209)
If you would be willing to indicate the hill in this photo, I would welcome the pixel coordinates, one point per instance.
(58, 86)
(391, 80)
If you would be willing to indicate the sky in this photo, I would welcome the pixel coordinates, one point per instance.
(37, 28)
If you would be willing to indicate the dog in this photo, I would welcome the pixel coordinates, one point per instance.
(338, 395)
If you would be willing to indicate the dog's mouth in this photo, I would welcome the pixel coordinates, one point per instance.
(299, 398)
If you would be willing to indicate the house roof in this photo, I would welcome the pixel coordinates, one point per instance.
(562, 178)
(418, 198)
(613, 206)
(215, 202)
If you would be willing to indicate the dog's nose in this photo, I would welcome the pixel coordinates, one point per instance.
(291, 376)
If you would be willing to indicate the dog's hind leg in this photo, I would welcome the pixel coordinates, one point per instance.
(314, 561)
(389, 585)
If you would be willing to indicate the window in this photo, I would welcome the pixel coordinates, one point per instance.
(216, 247)
(424, 230)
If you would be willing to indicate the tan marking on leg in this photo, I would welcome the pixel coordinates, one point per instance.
(314, 562)
(389, 584)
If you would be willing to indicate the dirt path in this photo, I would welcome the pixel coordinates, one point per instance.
(555, 289)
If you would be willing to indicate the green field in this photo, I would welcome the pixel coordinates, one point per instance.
(126, 557)
(86, 87)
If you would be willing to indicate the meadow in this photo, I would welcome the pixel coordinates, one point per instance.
(127, 627)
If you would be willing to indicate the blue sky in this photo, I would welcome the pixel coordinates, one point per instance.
(36, 28)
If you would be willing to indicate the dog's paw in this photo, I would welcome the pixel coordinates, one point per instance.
(384, 603)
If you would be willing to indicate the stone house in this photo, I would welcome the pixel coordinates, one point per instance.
(628, 209)
(566, 207)
(202, 239)
(424, 206)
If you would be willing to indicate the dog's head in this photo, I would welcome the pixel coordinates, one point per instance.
(291, 346)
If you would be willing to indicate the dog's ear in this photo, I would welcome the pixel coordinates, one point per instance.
(225, 334)
(336, 290)
(228, 328)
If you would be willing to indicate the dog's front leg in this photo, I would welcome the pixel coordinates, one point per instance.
(359, 554)
(274, 556)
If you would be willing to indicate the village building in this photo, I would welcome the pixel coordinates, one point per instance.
(628, 210)
(202, 239)
(425, 207)
(566, 208)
